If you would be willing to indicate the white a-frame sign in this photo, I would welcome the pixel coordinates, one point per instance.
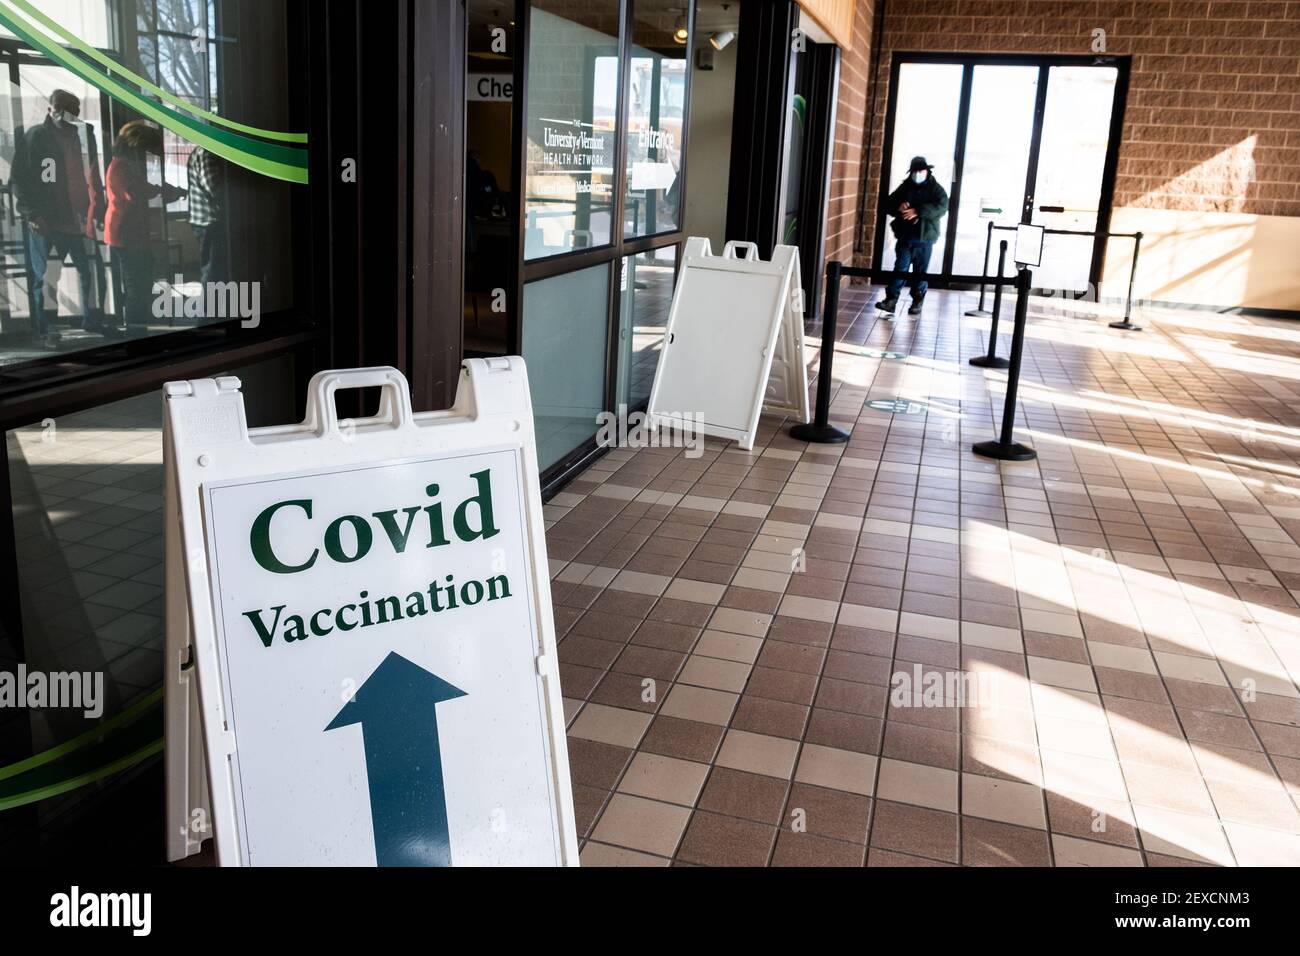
(734, 343)
(366, 658)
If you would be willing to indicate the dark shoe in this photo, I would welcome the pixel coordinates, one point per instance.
(107, 331)
(915, 307)
(887, 304)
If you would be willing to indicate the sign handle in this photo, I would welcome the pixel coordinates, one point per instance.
(751, 250)
(394, 401)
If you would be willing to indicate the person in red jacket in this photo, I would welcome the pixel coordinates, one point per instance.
(127, 222)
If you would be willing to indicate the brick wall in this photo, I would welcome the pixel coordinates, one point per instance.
(1212, 123)
(850, 124)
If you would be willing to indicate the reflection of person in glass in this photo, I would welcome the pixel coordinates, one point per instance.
(126, 226)
(58, 194)
(917, 205)
(207, 193)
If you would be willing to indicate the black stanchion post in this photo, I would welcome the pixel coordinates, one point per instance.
(984, 271)
(991, 360)
(1127, 323)
(1002, 447)
(820, 430)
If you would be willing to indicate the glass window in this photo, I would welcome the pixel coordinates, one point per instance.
(491, 199)
(656, 110)
(149, 180)
(646, 296)
(564, 343)
(570, 119)
(925, 124)
(87, 492)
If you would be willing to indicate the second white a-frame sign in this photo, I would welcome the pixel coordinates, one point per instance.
(734, 343)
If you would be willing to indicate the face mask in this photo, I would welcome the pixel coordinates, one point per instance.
(66, 118)
(918, 177)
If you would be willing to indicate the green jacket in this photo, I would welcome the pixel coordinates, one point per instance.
(930, 202)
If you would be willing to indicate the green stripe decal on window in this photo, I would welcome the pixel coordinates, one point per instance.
(280, 162)
(101, 730)
(116, 745)
(114, 67)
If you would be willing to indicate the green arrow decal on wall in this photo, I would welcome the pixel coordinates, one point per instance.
(270, 159)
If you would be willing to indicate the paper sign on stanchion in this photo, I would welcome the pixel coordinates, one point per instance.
(734, 343)
(369, 628)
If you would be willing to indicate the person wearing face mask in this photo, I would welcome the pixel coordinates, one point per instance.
(59, 196)
(917, 205)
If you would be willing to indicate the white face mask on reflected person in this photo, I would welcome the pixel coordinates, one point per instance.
(68, 119)
(919, 176)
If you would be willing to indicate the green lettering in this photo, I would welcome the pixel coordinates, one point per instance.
(315, 625)
(343, 623)
(296, 629)
(398, 537)
(504, 583)
(265, 633)
(415, 604)
(334, 544)
(259, 539)
(484, 501)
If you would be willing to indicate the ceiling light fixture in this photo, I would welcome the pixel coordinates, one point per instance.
(720, 41)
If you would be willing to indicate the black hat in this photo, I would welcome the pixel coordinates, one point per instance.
(918, 162)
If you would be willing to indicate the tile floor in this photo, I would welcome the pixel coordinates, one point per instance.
(896, 653)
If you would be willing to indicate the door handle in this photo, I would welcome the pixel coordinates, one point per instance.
(1051, 209)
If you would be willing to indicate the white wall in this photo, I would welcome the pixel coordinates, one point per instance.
(708, 158)
(1224, 259)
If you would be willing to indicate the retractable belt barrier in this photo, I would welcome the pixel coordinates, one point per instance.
(820, 430)
(1003, 447)
(1125, 323)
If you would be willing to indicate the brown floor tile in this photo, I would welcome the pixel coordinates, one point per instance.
(748, 795)
(831, 813)
(687, 739)
(805, 849)
(716, 840)
(937, 748)
(595, 764)
(917, 831)
(986, 843)
(843, 731)
(762, 715)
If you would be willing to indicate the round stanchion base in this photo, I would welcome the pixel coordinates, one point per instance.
(1009, 452)
(989, 361)
(1126, 325)
(819, 434)
(981, 313)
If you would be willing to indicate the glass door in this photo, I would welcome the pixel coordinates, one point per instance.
(1013, 139)
(1071, 166)
(999, 136)
(926, 119)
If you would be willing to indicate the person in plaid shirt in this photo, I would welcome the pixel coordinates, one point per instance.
(207, 176)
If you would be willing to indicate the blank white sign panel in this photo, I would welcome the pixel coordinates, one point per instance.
(709, 374)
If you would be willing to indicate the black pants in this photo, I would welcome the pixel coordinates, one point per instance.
(214, 253)
(911, 254)
(136, 264)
